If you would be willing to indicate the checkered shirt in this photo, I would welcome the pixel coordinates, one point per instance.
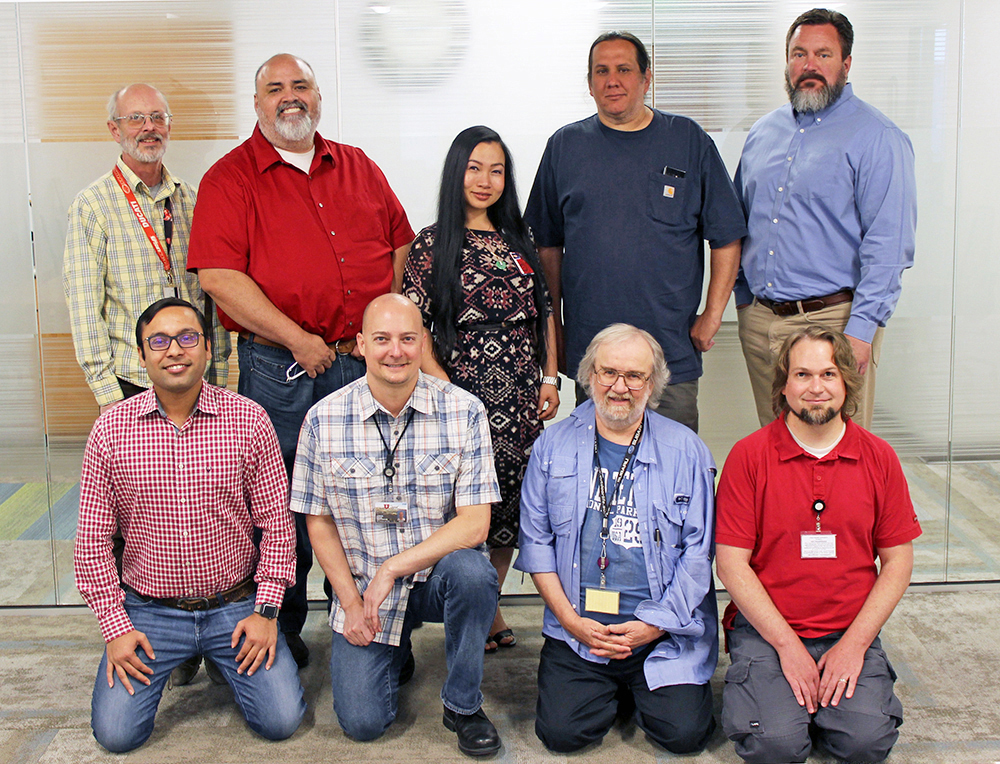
(186, 500)
(444, 460)
(111, 274)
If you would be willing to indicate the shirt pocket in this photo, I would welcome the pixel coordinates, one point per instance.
(669, 519)
(667, 195)
(560, 494)
(436, 472)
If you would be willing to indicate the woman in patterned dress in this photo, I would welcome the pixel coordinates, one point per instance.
(476, 277)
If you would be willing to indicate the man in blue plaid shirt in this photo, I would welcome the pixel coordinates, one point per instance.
(395, 473)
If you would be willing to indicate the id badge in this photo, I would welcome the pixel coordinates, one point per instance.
(819, 545)
(601, 601)
(391, 512)
(522, 265)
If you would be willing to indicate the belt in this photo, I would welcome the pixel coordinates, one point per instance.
(239, 592)
(344, 346)
(491, 327)
(808, 305)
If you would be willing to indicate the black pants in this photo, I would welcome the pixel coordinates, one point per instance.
(578, 702)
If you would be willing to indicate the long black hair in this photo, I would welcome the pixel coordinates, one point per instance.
(504, 214)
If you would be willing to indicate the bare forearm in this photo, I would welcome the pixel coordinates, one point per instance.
(550, 588)
(551, 258)
(893, 578)
(750, 596)
(468, 529)
(243, 301)
(429, 362)
(398, 264)
(551, 357)
(329, 550)
(724, 267)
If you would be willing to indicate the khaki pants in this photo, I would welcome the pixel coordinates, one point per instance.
(762, 333)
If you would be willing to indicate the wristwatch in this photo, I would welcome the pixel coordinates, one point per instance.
(266, 609)
(552, 381)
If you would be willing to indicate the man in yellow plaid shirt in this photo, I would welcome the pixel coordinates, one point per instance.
(126, 248)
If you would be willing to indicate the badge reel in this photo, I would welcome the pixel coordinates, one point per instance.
(818, 544)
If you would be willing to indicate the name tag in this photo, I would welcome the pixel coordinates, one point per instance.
(601, 601)
(391, 512)
(522, 265)
(819, 546)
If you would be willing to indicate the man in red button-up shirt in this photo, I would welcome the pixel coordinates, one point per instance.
(293, 235)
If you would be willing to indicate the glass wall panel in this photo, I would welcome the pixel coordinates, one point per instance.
(400, 79)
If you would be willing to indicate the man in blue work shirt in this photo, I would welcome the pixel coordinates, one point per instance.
(829, 189)
(616, 530)
(621, 207)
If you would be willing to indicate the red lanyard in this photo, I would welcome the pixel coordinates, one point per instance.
(147, 227)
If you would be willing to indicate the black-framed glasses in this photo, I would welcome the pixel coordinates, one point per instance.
(161, 342)
(634, 380)
(138, 119)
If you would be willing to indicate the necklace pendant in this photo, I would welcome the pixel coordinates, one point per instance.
(501, 264)
(602, 563)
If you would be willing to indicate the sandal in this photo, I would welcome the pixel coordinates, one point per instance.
(502, 635)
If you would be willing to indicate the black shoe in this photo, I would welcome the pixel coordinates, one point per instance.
(406, 673)
(476, 734)
(214, 672)
(300, 652)
(185, 672)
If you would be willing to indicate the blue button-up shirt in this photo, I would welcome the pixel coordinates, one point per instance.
(831, 204)
(674, 493)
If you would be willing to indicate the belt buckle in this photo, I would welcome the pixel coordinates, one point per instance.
(192, 604)
(336, 346)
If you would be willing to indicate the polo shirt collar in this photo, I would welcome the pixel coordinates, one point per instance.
(848, 448)
(265, 155)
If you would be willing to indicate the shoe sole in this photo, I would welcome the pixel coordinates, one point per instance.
(450, 725)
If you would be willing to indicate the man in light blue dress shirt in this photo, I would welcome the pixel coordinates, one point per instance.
(617, 517)
(828, 186)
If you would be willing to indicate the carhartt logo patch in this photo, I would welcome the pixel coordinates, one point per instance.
(668, 191)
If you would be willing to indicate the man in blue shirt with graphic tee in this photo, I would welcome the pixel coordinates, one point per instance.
(616, 531)
(829, 187)
(620, 208)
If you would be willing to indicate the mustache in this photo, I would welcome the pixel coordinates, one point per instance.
(293, 105)
(812, 76)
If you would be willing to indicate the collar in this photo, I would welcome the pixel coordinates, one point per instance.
(208, 402)
(420, 400)
(137, 183)
(266, 156)
(846, 95)
(848, 448)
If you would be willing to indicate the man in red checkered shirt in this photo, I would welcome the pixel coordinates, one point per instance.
(188, 472)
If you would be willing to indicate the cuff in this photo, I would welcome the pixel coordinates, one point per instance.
(115, 623)
(271, 592)
(536, 558)
(860, 329)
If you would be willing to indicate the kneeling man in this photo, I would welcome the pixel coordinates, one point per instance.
(189, 473)
(395, 474)
(616, 531)
(805, 505)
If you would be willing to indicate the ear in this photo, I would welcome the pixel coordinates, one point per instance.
(142, 356)
(847, 65)
(114, 130)
(361, 344)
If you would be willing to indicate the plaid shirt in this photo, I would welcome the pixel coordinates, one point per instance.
(186, 500)
(444, 460)
(111, 274)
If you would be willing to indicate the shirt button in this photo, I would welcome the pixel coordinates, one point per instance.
(185, 534)
(341, 259)
(769, 283)
(348, 291)
(333, 233)
(789, 159)
(320, 204)
(781, 188)
(802, 129)
(775, 220)
(819, 119)
(574, 564)
(770, 251)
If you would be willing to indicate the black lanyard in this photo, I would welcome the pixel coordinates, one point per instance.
(389, 470)
(605, 506)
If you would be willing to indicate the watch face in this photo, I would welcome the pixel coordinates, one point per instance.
(267, 610)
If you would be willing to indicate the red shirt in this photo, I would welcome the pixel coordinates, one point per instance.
(183, 500)
(764, 503)
(318, 245)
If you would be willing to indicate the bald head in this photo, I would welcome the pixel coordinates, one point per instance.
(390, 306)
(392, 342)
(139, 90)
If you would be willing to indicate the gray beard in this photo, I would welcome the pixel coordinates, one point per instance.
(810, 101)
(295, 131)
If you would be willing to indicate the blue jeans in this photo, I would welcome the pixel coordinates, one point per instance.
(461, 592)
(263, 378)
(270, 700)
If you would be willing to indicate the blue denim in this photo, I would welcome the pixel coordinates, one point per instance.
(270, 700)
(264, 379)
(461, 592)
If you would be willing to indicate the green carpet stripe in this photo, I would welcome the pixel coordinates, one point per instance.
(26, 506)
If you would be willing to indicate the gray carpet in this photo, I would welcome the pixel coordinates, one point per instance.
(942, 645)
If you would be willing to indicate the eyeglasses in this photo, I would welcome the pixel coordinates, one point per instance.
(159, 119)
(634, 380)
(161, 342)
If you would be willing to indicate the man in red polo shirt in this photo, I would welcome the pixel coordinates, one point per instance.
(804, 507)
(293, 235)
